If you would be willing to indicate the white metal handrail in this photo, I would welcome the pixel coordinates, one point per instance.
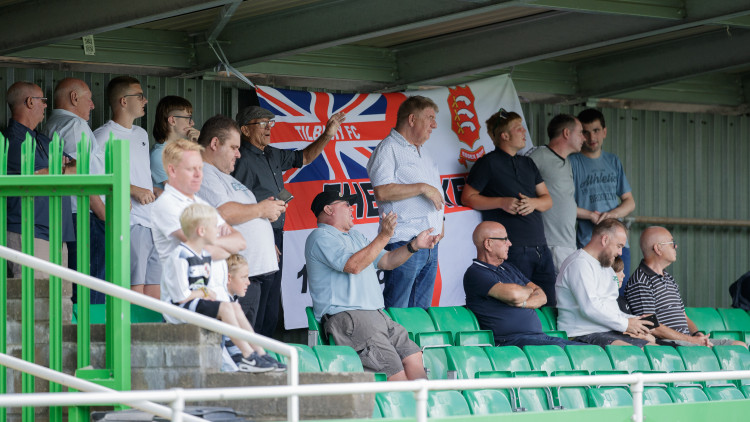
(421, 388)
(171, 310)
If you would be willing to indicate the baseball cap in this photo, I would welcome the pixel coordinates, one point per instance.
(253, 112)
(327, 198)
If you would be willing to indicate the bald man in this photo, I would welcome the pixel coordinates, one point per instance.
(27, 104)
(69, 119)
(501, 297)
(652, 290)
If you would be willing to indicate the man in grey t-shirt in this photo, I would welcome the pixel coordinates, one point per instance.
(565, 137)
(220, 136)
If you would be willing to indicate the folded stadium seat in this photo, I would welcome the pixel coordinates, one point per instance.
(308, 360)
(508, 393)
(507, 358)
(591, 358)
(557, 333)
(629, 358)
(314, 330)
(736, 320)
(338, 359)
(701, 359)
(724, 393)
(435, 363)
(465, 361)
(609, 397)
(442, 404)
(664, 358)
(487, 402)
(655, 395)
(548, 358)
(523, 399)
(512, 360)
(460, 321)
(396, 404)
(687, 394)
(735, 358)
(475, 338)
(551, 313)
(710, 322)
(420, 327)
(546, 326)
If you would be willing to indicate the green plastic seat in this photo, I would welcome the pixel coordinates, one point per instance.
(435, 363)
(735, 319)
(551, 314)
(466, 361)
(308, 360)
(664, 358)
(456, 319)
(487, 402)
(396, 404)
(420, 327)
(628, 358)
(687, 394)
(571, 397)
(338, 359)
(733, 358)
(475, 338)
(701, 359)
(507, 358)
(548, 358)
(558, 333)
(314, 330)
(655, 395)
(524, 399)
(724, 393)
(706, 319)
(546, 326)
(442, 404)
(138, 314)
(590, 358)
(609, 397)
(508, 393)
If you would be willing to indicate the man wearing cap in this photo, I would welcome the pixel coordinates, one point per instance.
(261, 168)
(344, 286)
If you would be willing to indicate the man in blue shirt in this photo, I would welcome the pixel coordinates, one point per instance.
(344, 286)
(602, 190)
(503, 300)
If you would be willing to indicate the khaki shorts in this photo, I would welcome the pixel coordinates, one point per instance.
(380, 342)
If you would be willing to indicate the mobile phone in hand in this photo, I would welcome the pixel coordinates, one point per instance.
(653, 320)
(285, 195)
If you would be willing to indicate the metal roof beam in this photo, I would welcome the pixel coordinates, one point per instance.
(664, 62)
(539, 37)
(37, 23)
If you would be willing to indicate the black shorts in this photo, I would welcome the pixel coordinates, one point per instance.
(608, 337)
(209, 308)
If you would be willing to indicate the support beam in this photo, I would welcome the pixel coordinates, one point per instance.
(666, 9)
(539, 37)
(37, 23)
(665, 62)
(331, 23)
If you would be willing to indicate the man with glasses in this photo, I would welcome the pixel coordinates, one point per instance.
(128, 103)
(501, 297)
(652, 290)
(509, 189)
(27, 104)
(261, 169)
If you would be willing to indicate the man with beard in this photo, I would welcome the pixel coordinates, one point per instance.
(587, 293)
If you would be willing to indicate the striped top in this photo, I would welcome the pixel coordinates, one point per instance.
(651, 293)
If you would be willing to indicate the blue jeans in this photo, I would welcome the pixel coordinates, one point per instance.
(411, 284)
(540, 339)
(96, 256)
(625, 260)
(535, 262)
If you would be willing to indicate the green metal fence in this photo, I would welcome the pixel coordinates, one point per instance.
(114, 184)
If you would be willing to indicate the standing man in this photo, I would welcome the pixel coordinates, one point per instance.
(509, 189)
(128, 103)
(602, 190)
(261, 168)
(27, 103)
(565, 137)
(406, 182)
(220, 138)
(69, 119)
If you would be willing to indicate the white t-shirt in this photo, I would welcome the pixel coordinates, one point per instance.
(587, 297)
(218, 188)
(140, 165)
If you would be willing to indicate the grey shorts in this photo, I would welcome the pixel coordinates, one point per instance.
(606, 338)
(715, 341)
(145, 267)
(380, 342)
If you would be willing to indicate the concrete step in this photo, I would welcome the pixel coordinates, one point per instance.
(41, 309)
(41, 288)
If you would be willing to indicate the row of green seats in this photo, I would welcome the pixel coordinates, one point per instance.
(138, 314)
(325, 358)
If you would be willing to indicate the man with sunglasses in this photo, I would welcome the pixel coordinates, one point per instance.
(261, 169)
(27, 104)
(652, 290)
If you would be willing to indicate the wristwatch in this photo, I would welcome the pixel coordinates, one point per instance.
(410, 248)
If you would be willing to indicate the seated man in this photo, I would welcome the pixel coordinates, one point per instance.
(346, 295)
(587, 293)
(651, 290)
(500, 296)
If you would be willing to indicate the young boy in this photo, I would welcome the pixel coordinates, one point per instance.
(188, 275)
(237, 282)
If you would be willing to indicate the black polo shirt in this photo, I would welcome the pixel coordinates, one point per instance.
(498, 174)
(263, 171)
(651, 293)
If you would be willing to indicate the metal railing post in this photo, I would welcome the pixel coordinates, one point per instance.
(3, 275)
(636, 389)
(55, 283)
(83, 330)
(178, 405)
(421, 396)
(28, 149)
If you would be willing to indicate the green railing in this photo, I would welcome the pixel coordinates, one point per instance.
(114, 184)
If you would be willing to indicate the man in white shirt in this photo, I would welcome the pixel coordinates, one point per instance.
(587, 293)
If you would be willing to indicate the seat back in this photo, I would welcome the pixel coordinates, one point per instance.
(546, 326)
(732, 358)
(414, 320)
(588, 358)
(734, 319)
(724, 393)
(687, 394)
(558, 333)
(655, 395)
(308, 360)
(315, 334)
(609, 397)
(396, 404)
(442, 404)
(551, 314)
(435, 363)
(466, 361)
(664, 358)
(707, 319)
(487, 402)
(628, 358)
(453, 319)
(338, 359)
(507, 358)
(547, 358)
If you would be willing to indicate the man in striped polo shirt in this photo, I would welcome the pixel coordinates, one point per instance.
(652, 290)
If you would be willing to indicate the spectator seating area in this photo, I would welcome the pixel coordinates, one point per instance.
(455, 348)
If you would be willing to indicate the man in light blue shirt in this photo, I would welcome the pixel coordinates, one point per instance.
(344, 286)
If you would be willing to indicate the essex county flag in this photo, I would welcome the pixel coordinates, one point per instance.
(459, 140)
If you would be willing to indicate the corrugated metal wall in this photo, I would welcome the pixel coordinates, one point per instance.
(686, 166)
